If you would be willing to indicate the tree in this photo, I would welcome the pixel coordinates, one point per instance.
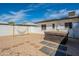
(12, 24)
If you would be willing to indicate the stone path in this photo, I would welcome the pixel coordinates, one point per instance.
(47, 43)
(49, 48)
(48, 51)
(54, 49)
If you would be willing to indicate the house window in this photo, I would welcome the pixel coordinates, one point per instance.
(68, 25)
(53, 25)
(43, 27)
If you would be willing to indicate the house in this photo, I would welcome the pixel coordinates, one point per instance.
(71, 24)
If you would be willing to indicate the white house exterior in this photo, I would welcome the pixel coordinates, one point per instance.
(60, 26)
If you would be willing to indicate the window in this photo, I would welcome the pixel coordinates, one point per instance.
(68, 25)
(43, 27)
(53, 25)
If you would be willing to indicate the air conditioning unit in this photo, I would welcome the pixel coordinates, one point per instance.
(72, 14)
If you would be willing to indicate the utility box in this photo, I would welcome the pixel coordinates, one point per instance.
(72, 14)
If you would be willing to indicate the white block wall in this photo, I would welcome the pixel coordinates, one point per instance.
(6, 30)
(36, 30)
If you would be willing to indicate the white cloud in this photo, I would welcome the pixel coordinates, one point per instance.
(5, 17)
(50, 14)
(55, 14)
(20, 15)
(14, 16)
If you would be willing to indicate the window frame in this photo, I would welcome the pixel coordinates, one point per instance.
(53, 26)
(68, 25)
(43, 27)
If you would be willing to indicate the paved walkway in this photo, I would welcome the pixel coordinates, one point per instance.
(73, 47)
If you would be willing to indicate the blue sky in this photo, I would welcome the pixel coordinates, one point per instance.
(30, 12)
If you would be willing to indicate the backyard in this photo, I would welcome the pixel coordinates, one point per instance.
(29, 44)
(36, 45)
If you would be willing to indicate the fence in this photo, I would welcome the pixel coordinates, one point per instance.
(6, 30)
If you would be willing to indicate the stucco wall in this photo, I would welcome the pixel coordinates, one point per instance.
(6, 30)
(36, 30)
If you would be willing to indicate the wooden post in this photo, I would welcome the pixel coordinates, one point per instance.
(13, 31)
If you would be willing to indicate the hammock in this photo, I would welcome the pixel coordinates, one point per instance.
(22, 31)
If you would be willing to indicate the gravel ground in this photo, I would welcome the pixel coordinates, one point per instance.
(25, 45)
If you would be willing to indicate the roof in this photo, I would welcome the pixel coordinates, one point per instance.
(56, 19)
